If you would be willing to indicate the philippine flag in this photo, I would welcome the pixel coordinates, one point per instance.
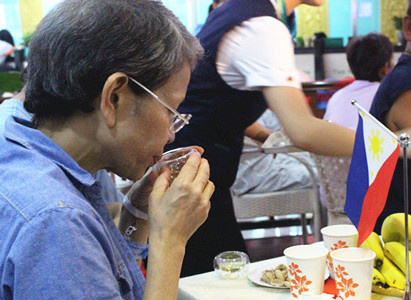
(375, 155)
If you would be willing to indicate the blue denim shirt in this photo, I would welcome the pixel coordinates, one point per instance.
(57, 239)
(16, 108)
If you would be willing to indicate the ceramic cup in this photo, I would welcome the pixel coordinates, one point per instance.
(353, 272)
(338, 237)
(306, 269)
(174, 160)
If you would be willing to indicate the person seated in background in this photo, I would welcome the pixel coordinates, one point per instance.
(264, 173)
(91, 112)
(392, 107)
(6, 49)
(370, 58)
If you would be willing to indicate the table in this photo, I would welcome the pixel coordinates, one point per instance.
(209, 286)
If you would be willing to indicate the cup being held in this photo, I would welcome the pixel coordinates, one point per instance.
(337, 237)
(174, 160)
(306, 269)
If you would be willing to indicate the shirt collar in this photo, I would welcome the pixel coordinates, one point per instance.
(20, 131)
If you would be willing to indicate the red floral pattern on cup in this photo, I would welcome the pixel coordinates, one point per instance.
(339, 245)
(298, 282)
(345, 284)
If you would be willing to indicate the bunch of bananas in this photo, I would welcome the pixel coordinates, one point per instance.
(389, 263)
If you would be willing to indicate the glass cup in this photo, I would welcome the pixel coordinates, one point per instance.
(232, 264)
(337, 237)
(353, 272)
(174, 160)
(306, 269)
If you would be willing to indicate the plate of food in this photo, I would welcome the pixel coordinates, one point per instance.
(274, 276)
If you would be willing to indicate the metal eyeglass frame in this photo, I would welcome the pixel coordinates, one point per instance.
(179, 120)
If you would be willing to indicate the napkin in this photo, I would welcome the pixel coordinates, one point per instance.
(330, 287)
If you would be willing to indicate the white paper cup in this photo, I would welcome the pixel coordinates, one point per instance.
(174, 160)
(353, 272)
(337, 237)
(306, 268)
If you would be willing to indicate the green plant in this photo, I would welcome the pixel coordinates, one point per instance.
(26, 37)
(10, 82)
(397, 22)
(299, 40)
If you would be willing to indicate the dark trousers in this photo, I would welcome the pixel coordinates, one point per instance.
(219, 233)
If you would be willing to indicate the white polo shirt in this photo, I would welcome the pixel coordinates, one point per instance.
(258, 53)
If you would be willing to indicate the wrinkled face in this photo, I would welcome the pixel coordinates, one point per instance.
(145, 129)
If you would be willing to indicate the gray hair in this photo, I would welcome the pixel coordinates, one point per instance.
(80, 43)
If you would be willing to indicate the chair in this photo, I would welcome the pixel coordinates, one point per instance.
(19, 59)
(332, 173)
(298, 201)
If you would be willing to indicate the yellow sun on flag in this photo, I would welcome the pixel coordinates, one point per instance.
(376, 144)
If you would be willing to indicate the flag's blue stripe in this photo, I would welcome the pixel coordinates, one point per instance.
(357, 181)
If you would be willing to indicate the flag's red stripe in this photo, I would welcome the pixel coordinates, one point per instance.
(376, 196)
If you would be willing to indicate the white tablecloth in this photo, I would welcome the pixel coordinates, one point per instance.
(209, 286)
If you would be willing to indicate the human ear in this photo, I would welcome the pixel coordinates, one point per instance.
(114, 85)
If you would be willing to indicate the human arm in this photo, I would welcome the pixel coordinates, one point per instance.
(397, 118)
(306, 131)
(312, 2)
(257, 132)
(138, 195)
(273, 72)
(175, 212)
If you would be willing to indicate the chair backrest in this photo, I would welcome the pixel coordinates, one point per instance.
(277, 203)
(332, 173)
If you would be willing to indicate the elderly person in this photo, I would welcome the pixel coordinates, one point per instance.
(94, 66)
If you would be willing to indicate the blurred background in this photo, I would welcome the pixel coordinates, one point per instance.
(20, 17)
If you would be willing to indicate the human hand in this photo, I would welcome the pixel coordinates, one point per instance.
(140, 191)
(177, 210)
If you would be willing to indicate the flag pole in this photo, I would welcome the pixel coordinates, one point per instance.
(404, 140)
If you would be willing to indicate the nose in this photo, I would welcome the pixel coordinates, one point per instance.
(171, 136)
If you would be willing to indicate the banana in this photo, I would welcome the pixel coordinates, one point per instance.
(393, 228)
(373, 242)
(394, 277)
(388, 291)
(396, 253)
(377, 277)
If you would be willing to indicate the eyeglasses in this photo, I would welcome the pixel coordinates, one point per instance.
(178, 121)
